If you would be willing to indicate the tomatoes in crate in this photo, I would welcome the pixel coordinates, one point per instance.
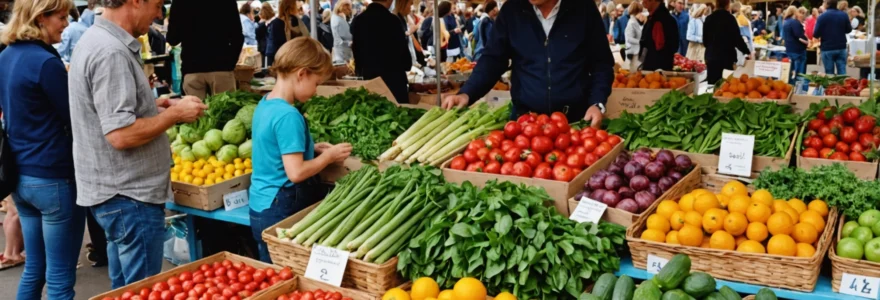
(841, 133)
(318, 294)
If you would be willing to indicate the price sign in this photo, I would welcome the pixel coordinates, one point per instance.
(327, 265)
(235, 200)
(768, 69)
(736, 154)
(859, 285)
(588, 210)
(655, 263)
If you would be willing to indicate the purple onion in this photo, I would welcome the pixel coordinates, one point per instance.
(665, 183)
(633, 169)
(655, 189)
(666, 158)
(639, 183)
(617, 170)
(580, 195)
(626, 192)
(629, 205)
(645, 199)
(597, 181)
(683, 163)
(642, 160)
(611, 198)
(647, 151)
(613, 182)
(655, 170)
(621, 159)
(675, 175)
(597, 194)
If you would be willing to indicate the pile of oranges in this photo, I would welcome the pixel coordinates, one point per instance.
(623, 79)
(753, 88)
(736, 221)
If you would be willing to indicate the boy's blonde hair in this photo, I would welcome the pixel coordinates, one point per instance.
(303, 53)
(23, 25)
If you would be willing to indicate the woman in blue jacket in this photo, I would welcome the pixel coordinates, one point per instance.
(795, 41)
(33, 97)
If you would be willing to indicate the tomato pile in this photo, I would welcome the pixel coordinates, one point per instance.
(850, 87)
(220, 281)
(538, 146)
(846, 135)
(683, 64)
(316, 295)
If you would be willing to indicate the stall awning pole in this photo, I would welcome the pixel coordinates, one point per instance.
(438, 65)
(313, 15)
(872, 46)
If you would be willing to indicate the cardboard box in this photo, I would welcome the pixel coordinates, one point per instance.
(302, 284)
(786, 101)
(801, 103)
(208, 198)
(193, 266)
(635, 100)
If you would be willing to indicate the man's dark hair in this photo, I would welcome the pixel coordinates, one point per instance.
(245, 9)
(831, 4)
(722, 4)
(74, 13)
(490, 5)
(444, 8)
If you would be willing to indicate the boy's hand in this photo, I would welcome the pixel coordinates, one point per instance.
(339, 152)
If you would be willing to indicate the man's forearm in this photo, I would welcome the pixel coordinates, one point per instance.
(142, 131)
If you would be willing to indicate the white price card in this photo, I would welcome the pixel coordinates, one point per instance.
(768, 69)
(327, 265)
(588, 210)
(235, 200)
(859, 285)
(655, 263)
(735, 157)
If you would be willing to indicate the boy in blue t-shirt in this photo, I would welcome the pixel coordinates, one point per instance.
(285, 164)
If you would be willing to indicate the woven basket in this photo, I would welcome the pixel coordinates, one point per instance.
(359, 274)
(840, 265)
(795, 273)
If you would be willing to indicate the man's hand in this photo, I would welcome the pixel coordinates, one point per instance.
(455, 101)
(188, 109)
(338, 152)
(594, 115)
(321, 147)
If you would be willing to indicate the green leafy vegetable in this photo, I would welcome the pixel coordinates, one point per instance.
(244, 150)
(835, 184)
(214, 139)
(234, 132)
(227, 153)
(221, 108)
(246, 115)
(200, 150)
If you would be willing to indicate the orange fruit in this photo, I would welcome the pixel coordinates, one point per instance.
(705, 202)
(693, 218)
(805, 233)
(396, 294)
(758, 212)
(782, 244)
(686, 203)
(763, 196)
(792, 213)
(469, 289)
(723, 200)
(736, 223)
(818, 206)
(659, 223)
(666, 208)
(676, 221)
(654, 235)
(446, 295)
(805, 250)
(740, 239)
(713, 220)
(690, 235)
(813, 218)
(739, 203)
(757, 231)
(734, 187)
(424, 288)
(707, 242)
(722, 240)
(672, 238)
(780, 223)
(505, 296)
(780, 205)
(750, 246)
(798, 205)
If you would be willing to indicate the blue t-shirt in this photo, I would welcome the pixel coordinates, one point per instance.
(278, 129)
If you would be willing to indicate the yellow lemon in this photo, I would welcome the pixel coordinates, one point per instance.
(230, 168)
(676, 220)
(209, 182)
(653, 235)
(248, 171)
(174, 176)
(763, 196)
(659, 223)
(227, 176)
(248, 164)
(705, 202)
(672, 238)
(396, 294)
(198, 181)
(238, 173)
(693, 218)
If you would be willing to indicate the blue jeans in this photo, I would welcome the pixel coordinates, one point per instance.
(798, 64)
(135, 234)
(288, 201)
(834, 58)
(52, 225)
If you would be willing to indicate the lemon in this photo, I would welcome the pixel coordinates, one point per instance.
(188, 178)
(219, 180)
(248, 171)
(424, 288)
(174, 176)
(248, 164)
(230, 168)
(198, 181)
(209, 182)
(238, 173)
(239, 166)
(187, 169)
(177, 160)
(212, 158)
(208, 168)
(227, 176)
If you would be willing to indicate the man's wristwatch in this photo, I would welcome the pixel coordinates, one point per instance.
(601, 107)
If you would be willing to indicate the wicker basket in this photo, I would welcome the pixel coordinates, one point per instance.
(795, 273)
(360, 275)
(840, 265)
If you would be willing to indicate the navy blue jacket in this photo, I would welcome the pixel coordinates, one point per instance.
(36, 114)
(832, 27)
(620, 28)
(793, 30)
(565, 72)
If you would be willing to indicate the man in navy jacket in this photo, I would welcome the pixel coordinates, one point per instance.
(560, 57)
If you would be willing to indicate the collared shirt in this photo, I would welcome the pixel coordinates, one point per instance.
(547, 22)
(109, 91)
(249, 30)
(69, 37)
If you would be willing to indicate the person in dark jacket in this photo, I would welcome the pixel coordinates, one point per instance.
(556, 65)
(795, 42)
(831, 28)
(659, 37)
(380, 48)
(427, 30)
(285, 27)
(721, 38)
(454, 48)
(620, 27)
(485, 27)
(267, 14)
(212, 39)
(682, 18)
(325, 34)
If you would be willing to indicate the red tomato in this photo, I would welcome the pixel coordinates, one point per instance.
(849, 134)
(825, 152)
(307, 296)
(231, 275)
(867, 140)
(601, 135)
(856, 147)
(476, 144)
(814, 142)
(829, 140)
(270, 272)
(558, 117)
(497, 134)
(588, 132)
(187, 285)
(533, 159)
(507, 168)
(575, 161)
(226, 263)
(475, 167)
(562, 172)
(590, 159)
(562, 125)
(204, 267)
(493, 167)
(245, 277)
(826, 113)
(526, 118)
(522, 142)
(856, 156)
(181, 296)
(506, 145)
(544, 171)
(493, 142)
(512, 129)
(336, 296)
(513, 155)
(276, 279)
(227, 293)
(815, 124)
(824, 130)
(219, 271)
(602, 149)
(286, 273)
(458, 163)
(483, 154)
(175, 289)
(839, 156)
(850, 115)
(613, 140)
(563, 141)
(496, 155)
(144, 292)
(579, 150)
(576, 138)
(841, 147)
(542, 144)
(173, 280)
(470, 155)
(522, 169)
(549, 130)
(319, 294)
(552, 157)
(264, 285)
(531, 130)
(543, 119)
(283, 297)
(590, 144)
(251, 286)
(216, 264)
(238, 266)
(186, 275)
(160, 286)
(865, 124)
(259, 276)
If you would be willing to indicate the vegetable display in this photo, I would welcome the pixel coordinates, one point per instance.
(655, 80)
(840, 133)
(439, 133)
(860, 238)
(538, 146)
(222, 108)
(366, 120)
(633, 183)
(840, 85)
(753, 88)
(695, 124)
(835, 184)
(505, 235)
(684, 64)
(318, 294)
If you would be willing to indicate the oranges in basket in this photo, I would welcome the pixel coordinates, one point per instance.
(753, 88)
(654, 81)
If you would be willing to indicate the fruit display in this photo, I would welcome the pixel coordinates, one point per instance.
(538, 146)
(684, 64)
(843, 133)
(762, 39)
(426, 288)
(461, 65)
(633, 182)
(318, 294)
(753, 88)
(736, 221)
(647, 80)
(207, 172)
(674, 281)
(840, 85)
(860, 239)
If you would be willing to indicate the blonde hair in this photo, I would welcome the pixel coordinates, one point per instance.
(303, 53)
(339, 6)
(858, 11)
(23, 24)
(325, 16)
(284, 13)
(789, 12)
(704, 10)
(803, 11)
(842, 5)
(266, 12)
(735, 7)
(635, 8)
(747, 10)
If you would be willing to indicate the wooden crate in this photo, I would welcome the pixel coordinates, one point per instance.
(863, 170)
(210, 197)
(303, 284)
(636, 100)
(801, 103)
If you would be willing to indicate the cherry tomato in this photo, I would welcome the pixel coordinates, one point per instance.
(850, 115)
(563, 141)
(865, 124)
(470, 155)
(204, 267)
(336, 296)
(507, 168)
(522, 169)
(552, 157)
(542, 144)
(276, 279)
(613, 140)
(856, 156)
(815, 124)
(236, 287)
(476, 144)
(493, 167)
(839, 156)
(283, 297)
(237, 266)
(270, 272)
(251, 286)
(522, 142)
(184, 276)
(458, 163)
(543, 119)
(602, 149)
(264, 285)
(175, 289)
(497, 135)
(475, 167)
(220, 271)
(531, 130)
(166, 295)
(841, 147)
(590, 159)
(549, 130)
(575, 161)
(181, 296)
(232, 275)
(216, 264)
(543, 171)
(319, 294)
(590, 144)
(160, 286)
(245, 277)
(825, 152)
(562, 172)
(810, 152)
(144, 292)
(483, 154)
(533, 159)
(506, 145)
(226, 263)
(558, 117)
(512, 129)
(513, 155)
(824, 130)
(187, 285)
(829, 140)
(173, 280)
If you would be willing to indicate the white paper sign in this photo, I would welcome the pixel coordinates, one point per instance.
(588, 210)
(655, 263)
(858, 285)
(735, 157)
(768, 69)
(327, 265)
(235, 200)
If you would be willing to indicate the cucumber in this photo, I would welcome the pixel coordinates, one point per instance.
(698, 284)
(623, 288)
(715, 296)
(604, 287)
(588, 296)
(765, 294)
(647, 290)
(729, 293)
(676, 294)
(673, 273)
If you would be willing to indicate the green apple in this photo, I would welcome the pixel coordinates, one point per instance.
(849, 227)
(869, 217)
(876, 229)
(862, 233)
(850, 248)
(872, 250)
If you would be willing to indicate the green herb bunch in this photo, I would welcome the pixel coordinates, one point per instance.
(835, 184)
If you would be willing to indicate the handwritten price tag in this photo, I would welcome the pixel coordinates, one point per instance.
(588, 210)
(655, 263)
(768, 69)
(235, 200)
(859, 285)
(327, 265)
(735, 157)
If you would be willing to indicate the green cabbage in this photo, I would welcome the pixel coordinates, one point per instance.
(172, 133)
(246, 115)
(234, 132)
(214, 139)
(176, 148)
(200, 150)
(186, 154)
(227, 153)
(244, 150)
(190, 134)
